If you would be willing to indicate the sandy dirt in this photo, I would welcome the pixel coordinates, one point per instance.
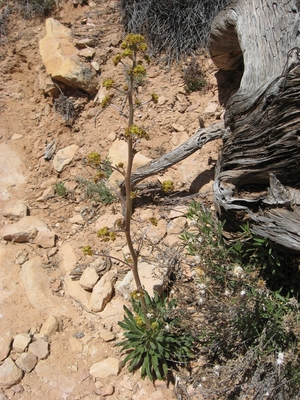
(28, 123)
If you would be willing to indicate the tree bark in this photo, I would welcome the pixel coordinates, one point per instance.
(257, 174)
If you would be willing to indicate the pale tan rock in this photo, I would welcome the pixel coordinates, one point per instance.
(118, 153)
(37, 287)
(156, 233)
(50, 327)
(178, 138)
(27, 362)
(61, 59)
(153, 279)
(178, 127)
(107, 335)
(178, 211)
(110, 366)
(5, 344)
(29, 229)
(47, 194)
(176, 226)
(21, 341)
(75, 345)
(77, 219)
(87, 52)
(161, 100)
(10, 374)
(108, 220)
(89, 278)
(40, 348)
(64, 157)
(211, 109)
(102, 292)
(14, 209)
(108, 390)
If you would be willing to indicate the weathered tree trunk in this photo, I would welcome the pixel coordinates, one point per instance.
(257, 175)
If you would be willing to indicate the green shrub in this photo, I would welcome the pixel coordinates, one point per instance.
(193, 77)
(251, 331)
(61, 190)
(157, 342)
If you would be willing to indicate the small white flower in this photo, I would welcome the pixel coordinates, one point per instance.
(200, 301)
(201, 286)
(227, 293)
(149, 315)
(167, 327)
(217, 370)
(243, 292)
(280, 358)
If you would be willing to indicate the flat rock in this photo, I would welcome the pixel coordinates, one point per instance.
(11, 170)
(21, 341)
(64, 157)
(107, 335)
(29, 229)
(211, 109)
(50, 326)
(40, 348)
(118, 153)
(27, 362)
(47, 194)
(153, 279)
(108, 220)
(14, 209)
(178, 127)
(10, 374)
(38, 288)
(5, 345)
(89, 278)
(102, 292)
(62, 61)
(110, 366)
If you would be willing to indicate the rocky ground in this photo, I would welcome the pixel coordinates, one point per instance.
(58, 326)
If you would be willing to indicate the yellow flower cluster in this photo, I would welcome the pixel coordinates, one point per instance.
(106, 235)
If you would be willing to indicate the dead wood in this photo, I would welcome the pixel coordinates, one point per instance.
(257, 175)
(194, 143)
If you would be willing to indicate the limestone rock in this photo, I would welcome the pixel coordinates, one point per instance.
(156, 233)
(211, 109)
(110, 366)
(47, 194)
(102, 292)
(21, 341)
(14, 209)
(64, 157)
(27, 362)
(29, 229)
(38, 288)
(40, 348)
(153, 279)
(77, 219)
(108, 220)
(118, 153)
(107, 335)
(5, 343)
(50, 326)
(178, 127)
(10, 374)
(87, 52)
(89, 278)
(62, 61)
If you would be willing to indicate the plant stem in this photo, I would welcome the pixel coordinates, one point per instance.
(128, 186)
